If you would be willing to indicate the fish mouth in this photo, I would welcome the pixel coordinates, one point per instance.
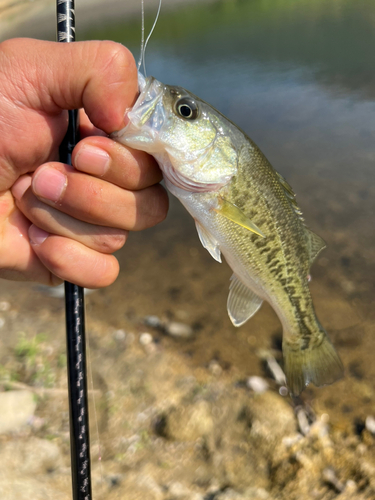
(146, 118)
(148, 109)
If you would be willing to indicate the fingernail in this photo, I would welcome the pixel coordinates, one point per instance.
(92, 160)
(49, 183)
(37, 235)
(20, 186)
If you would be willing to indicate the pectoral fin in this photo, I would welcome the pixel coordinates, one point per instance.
(208, 241)
(242, 303)
(233, 213)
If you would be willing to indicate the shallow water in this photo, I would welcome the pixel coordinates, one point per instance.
(298, 77)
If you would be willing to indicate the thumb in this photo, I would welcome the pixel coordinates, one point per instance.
(100, 76)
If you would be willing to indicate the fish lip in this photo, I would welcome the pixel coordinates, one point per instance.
(146, 104)
(147, 107)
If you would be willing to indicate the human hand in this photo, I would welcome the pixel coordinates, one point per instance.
(59, 222)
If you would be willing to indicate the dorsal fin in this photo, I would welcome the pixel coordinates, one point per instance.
(290, 195)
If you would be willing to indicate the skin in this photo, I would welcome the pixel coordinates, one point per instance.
(49, 234)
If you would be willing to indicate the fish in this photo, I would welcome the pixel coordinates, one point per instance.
(245, 211)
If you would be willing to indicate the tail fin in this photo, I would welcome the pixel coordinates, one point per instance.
(319, 363)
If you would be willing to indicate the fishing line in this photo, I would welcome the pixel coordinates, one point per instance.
(144, 43)
(142, 36)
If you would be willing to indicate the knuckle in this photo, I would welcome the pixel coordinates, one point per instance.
(116, 57)
(8, 47)
(158, 206)
(110, 242)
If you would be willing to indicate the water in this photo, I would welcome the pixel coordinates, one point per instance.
(298, 78)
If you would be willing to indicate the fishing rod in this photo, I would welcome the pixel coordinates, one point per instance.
(74, 311)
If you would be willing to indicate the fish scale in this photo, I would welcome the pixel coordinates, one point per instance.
(245, 211)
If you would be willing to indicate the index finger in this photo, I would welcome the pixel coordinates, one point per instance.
(115, 163)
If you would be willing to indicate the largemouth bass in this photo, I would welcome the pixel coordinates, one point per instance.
(244, 210)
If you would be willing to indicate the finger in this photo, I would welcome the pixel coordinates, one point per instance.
(17, 260)
(100, 238)
(100, 76)
(113, 162)
(86, 128)
(71, 261)
(99, 202)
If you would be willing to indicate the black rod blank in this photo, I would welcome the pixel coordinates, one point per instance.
(74, 310)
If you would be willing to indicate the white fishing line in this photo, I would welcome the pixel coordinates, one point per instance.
(142, 36)
(143, 42)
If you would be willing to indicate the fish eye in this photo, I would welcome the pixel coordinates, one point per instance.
(187, 108)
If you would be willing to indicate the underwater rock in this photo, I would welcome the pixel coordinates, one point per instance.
(30, 457)
(270, 418)
(257, 384)
(191, 423)
(17, 408)
(178, 330)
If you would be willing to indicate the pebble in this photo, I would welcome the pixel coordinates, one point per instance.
(257, 384)
(283, 391)
(289, 441)
(303, 422)
(351, 486)
(179, 491)
(178, 330)
(17, 409)
(273, 366)
(119, 335)
(152, 321)
(215, 368)
(4, 305)
(370, 424)
(2, 322)
(145, 338)
(330, 477)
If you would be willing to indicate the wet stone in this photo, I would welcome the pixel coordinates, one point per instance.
(370, 424)
(257, 384)
(178, 330)
(4, 305)
(119, 335)
(152, 321)
(145, 339)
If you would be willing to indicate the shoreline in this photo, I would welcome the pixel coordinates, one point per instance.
(37, 18)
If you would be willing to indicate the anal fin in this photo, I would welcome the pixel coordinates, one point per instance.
(208, 241)
(242, 303)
